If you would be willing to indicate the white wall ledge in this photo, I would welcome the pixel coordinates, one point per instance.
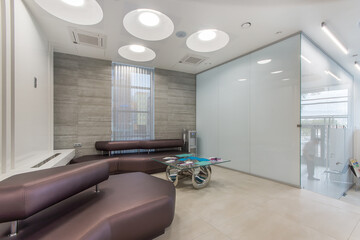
(27, 166)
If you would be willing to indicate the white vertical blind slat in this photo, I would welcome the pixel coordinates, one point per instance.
(132, 111)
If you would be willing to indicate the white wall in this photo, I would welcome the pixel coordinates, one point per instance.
(6, 80)
(253, 123)
(2, 65)
(33, 106)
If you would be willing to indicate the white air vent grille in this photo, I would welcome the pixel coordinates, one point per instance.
(192, 59)
(87, 38)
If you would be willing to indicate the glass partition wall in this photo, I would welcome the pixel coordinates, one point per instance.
(326, 122)
(284, 112)
(248, 111)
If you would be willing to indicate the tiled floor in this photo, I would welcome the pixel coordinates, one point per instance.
(352, 196)
(240, 206)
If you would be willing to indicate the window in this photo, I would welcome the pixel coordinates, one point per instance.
(132, 102)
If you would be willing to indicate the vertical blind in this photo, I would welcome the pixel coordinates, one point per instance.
(132, 102)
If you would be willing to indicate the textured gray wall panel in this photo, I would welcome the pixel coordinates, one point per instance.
(82, 102)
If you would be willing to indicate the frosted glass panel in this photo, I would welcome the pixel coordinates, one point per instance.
(234, 119)
(207, 97)
(326, 120)
(275, 112)
(248, 113)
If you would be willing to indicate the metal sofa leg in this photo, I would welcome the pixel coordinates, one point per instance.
(14, 228)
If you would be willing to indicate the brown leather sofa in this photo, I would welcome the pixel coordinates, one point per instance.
(134, 162)
(57, 203)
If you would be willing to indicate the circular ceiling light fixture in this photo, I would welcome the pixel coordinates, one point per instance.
(149, 19)
(148, 24)
(137, 48)
(137, 53)
(207, 35)
(207, 40)
(75, 3)
(79, 12)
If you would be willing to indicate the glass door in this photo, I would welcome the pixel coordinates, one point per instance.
(326, 123)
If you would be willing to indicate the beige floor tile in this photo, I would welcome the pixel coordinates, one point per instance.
(212, 235)
(279, 228)
(332, 221)
(356, 233)
(193, 228)
(240, 206)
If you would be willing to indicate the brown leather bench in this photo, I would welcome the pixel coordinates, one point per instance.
(58, 204)
(134, 162)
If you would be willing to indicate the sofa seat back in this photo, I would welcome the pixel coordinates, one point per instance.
(26, 194)
(143, 144)
(157, 144)
(116, 145)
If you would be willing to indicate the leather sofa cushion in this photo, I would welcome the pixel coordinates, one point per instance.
(144, 144)
(116, 145)
(129, 206)
(164, 143)
(111, 160)
(25, 194)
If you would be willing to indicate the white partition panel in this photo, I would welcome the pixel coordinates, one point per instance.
(275, 112)
(234, 99)
(207, 97)
(248, 112)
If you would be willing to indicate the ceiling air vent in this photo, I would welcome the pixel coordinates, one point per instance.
(193, 59)
(87, 38)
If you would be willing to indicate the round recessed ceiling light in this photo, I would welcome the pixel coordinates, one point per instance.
(75, 3)
(148, 24)
(79, 12)
(265, 61)
(137, 53)
(207, 40)
(276, 72)
(137, 48)
(242, 79)
(149, 19)
(207, 35)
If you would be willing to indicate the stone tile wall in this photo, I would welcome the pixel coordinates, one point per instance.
(175, 103)
(82, 102)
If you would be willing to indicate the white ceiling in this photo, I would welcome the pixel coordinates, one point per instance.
(267, 18)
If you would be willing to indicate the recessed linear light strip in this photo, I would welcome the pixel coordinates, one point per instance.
(333, 75)
(306, 59)
(334, 38)
(264, 61)
(357, 66)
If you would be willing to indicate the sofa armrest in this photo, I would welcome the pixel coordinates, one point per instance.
(26, 194)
